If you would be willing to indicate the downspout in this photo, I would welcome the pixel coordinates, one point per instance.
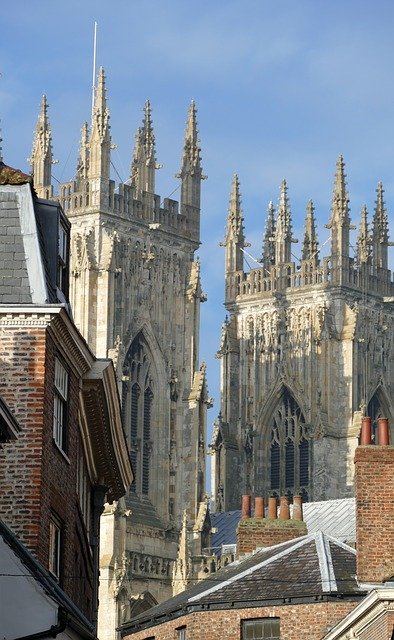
(99, 493)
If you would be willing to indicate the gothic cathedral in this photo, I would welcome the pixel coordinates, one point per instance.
(306, 351)
(135, 294)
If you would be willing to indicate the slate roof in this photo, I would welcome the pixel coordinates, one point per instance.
(28, 242)
(314, 566)
(336, 518)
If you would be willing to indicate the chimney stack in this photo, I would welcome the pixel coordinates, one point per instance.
(374, 488)
(256, 532)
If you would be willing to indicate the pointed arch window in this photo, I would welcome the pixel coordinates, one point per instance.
(137, 409)
(289, 454)
(375, 412)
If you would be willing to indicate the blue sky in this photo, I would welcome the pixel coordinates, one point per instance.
(282, 88)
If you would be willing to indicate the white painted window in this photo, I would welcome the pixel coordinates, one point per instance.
(55, 547)
(83, 490)
(181, 633)
(60, 405)
(261, 629)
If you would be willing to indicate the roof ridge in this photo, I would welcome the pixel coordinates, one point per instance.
(325, 562)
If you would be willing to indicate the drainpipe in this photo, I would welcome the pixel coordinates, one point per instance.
(99, 493)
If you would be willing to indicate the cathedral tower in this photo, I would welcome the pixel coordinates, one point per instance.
(306, 351)
(135, 294)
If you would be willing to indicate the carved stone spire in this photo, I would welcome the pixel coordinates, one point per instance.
(83, 159)
(191, 171)
(380, 231)
(340, 226)
(235, 239)
(144, 158)
(269, 238)
(310, 246)
(100, 141)
(283, 235)
(41, 157)
(363, 239)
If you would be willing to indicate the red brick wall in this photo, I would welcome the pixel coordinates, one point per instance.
(374, 485)
(310, 621)
(261, 532)
(36, 478)
(22, 374)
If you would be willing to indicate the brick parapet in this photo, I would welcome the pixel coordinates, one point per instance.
(253, 533)
(374, 488)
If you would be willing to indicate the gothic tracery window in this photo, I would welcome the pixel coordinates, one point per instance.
(289, 450)
(374, 411)
(137, 407)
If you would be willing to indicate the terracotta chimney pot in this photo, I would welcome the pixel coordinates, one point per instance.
(383, 432)
(365, 431)
(284, 511)
(297, 508)
(272, 508)
(246, 507)
(259, 507)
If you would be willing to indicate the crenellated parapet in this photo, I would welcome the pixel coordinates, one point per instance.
(366, 272)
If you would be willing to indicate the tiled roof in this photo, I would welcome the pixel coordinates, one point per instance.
(336, 518)
(9, 175)
(314, 565)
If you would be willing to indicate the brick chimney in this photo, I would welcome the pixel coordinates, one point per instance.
(256, 532)
(374, 487)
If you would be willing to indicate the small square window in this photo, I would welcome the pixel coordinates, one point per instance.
(60, 405)
(261, 629)
(55, 546)
(181, 633)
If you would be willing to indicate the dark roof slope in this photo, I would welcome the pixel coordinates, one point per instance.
(301, 569)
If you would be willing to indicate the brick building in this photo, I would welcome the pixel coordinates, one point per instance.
(62, 446)
(305, 585)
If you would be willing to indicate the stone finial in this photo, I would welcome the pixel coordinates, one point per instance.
(310, 246)
(363, 239)
(283, 235)
(340, 199)
(41, 158)
(100, 141)
(144, 163)
(83, 159)
(235, 218)
(191, 151)
(269, 238)
(380, 230)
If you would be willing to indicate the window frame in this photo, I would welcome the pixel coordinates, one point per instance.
(55, 550)
(181, 632)
(264, 622)
(61, 385)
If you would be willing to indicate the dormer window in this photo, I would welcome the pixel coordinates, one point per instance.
(62, 260)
